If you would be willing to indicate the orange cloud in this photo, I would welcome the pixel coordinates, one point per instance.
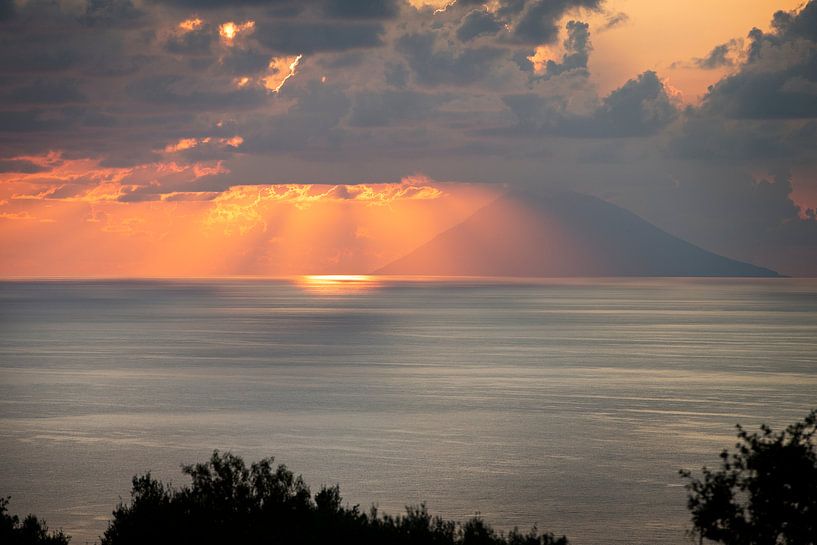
(282, 68)
(541, 55)
(71, 220)
(229, 30)
(84, 180)
(189, 143)
(438, 5)
(241, 208)
(182, 144)
(191, 24)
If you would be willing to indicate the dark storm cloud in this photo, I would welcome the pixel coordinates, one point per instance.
(396, 74)
(435, 64)
(779, 79)
(46, 40)
(539, 21)
(761, 118)
(373, 109)
(639, 108)
(342, 9)
(297, 37)
(362, 9)
(311, 123)
(28, 56)
(7, 10)
(477, 23)
(797, 25)
(119, 13)
(180, 92)
(729, 211)
(194, 42)
(220, 4)
(45, 91)
(766, 110)
(38, 119)
(718, 57)
(242, 62)
(383, 90)
(20, 165)
(577, 50)
(702, 136)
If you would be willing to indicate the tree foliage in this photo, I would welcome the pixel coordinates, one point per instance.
(763, 493)
(228, 502)
(29, 531)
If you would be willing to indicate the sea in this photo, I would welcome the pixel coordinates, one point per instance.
(569, 404)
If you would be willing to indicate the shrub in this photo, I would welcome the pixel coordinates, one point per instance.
(228, 502)
(763, 493)
(31, 531)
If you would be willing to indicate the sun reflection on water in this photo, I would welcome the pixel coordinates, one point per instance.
(338, 284)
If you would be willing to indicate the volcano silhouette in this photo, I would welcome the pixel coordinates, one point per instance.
(562, 234)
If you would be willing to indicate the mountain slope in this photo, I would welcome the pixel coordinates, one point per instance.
(562, 234)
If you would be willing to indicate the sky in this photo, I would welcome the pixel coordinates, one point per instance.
(214, 137)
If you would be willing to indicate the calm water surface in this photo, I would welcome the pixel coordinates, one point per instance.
(569, 404)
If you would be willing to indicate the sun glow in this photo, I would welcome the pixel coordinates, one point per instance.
(77, 217)
(338, 284)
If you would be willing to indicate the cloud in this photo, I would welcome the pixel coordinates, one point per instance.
(182, 92)
(577, 50)
(7, 10)
(797, 24)
(477, 23)
(46, 91)
(730, 211)
(21, 166)
(770, 84)
(720, 56)
(242, 62)
(112, 13)
(434, 64)
(373, 109)
(340, 9)
(639, 108)
(191, 41)
(615, 20)
(311, 123)
(362, 9)
(766, 110)
(382, 89)
(538, 22)
(297, 37)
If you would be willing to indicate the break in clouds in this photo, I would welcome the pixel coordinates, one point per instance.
(206, 95)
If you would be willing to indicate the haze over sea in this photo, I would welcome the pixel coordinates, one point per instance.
(566, 403)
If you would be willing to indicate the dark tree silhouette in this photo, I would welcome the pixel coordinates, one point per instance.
(31, 531)
(228, 502)
(763, 493)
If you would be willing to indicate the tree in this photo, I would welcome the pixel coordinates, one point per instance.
(31, 531)
(228, 502)
(763, 493)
